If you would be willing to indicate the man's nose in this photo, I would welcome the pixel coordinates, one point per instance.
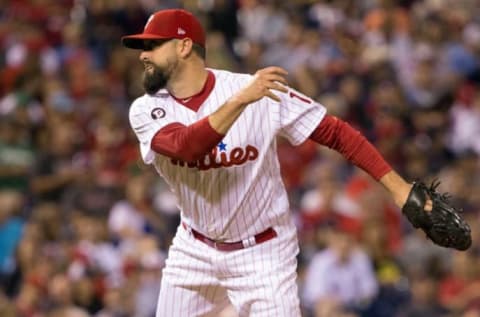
(143, 56)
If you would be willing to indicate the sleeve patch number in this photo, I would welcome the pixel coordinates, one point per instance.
(303, 99)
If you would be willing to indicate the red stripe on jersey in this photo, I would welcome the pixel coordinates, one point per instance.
(186, 143)
(341, 137)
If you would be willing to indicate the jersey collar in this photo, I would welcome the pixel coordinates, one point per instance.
(194, 102)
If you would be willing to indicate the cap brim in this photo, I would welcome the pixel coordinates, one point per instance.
(136, 41)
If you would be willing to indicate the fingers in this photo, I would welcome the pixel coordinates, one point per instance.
(272, 96)
(271, 85)
(273, 70)
(428, 205)
(276, 86)
(273, 73)
(275, 77)
(272, 78)
(263, 83)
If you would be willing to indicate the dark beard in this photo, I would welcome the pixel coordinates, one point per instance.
(156, 80)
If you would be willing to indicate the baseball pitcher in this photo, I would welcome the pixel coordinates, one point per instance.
(211, 134)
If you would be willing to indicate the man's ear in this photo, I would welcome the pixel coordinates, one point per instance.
(185, 47)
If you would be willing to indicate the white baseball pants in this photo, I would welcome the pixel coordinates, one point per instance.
(259, 281)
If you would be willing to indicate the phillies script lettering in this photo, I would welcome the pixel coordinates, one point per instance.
(237, 156)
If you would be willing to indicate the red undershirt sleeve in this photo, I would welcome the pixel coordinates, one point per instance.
(186, 143)
(341, 137)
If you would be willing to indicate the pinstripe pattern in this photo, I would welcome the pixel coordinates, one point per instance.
(230, 203)
(258, 281)
(190, 286)
(241, 200)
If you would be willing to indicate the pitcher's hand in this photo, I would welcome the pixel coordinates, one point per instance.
(264, 81)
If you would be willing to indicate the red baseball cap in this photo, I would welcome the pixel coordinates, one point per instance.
(168, 24)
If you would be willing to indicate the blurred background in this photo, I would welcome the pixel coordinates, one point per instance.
(85, 226)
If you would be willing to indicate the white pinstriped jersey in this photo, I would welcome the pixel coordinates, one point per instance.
(236, 191)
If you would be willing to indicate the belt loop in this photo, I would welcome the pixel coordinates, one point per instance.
(187, 227)
(249, 242)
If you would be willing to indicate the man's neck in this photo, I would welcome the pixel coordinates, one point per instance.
(189, 82)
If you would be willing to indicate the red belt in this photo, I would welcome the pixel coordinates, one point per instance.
(266, 235)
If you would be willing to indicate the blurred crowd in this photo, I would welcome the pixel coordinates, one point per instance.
(85, 226)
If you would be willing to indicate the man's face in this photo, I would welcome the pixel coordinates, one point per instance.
(160, 61)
